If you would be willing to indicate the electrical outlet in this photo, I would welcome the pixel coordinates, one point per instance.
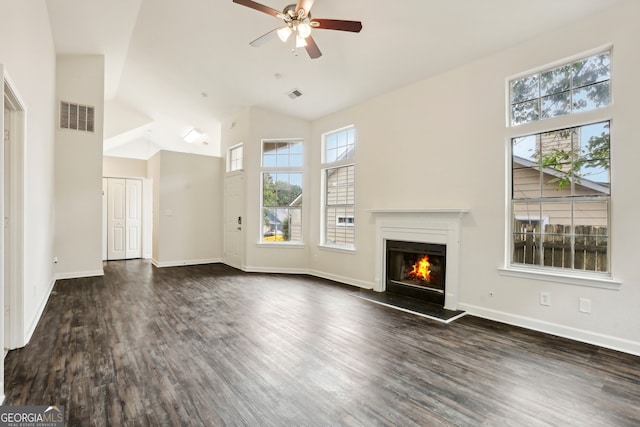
(585, 305)
(545, 298)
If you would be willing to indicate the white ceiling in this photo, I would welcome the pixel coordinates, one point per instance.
(173, 65)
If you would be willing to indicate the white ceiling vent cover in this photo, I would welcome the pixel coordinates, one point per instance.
(295, 93)
(76, 116)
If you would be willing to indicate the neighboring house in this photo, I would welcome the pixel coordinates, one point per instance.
(527, 182)
(341, 213)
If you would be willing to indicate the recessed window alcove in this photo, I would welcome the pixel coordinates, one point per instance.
(436, 227)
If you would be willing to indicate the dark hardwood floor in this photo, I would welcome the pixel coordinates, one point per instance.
(209, 345)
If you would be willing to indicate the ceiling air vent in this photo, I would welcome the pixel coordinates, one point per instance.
(76, 116)
(295, 93)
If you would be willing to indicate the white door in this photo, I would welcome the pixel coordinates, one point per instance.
(116, 218)
(233, 221)
(134, 219)
(123, 212)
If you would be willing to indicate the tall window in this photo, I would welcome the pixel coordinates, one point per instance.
(282, 163)
(339, 188)
(234, 157)
(561, 181)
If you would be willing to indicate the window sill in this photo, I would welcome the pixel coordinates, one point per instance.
(601, 282)
(334, 248)
(287, 245)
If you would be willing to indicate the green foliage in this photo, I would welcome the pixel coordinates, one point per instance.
(573, 164)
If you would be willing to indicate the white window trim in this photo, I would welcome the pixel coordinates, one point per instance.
(549, 274)
(323, 189)
(229, 150)
(275, 169)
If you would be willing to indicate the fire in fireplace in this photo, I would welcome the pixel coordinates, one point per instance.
(416, 269)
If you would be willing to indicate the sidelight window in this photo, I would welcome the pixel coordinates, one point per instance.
(339, 188)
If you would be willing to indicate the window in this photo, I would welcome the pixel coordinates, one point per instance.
(560, 178)
(339, 188)
(234, 157)
(282, 191)
(571, 88)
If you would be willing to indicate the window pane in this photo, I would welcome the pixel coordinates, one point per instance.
(340, 185)
(555, 81)
(557, 237)
(556, 105)
(339, 145)
(526, 182)
(591, 97)
(524, 89)
(295, 160)
(591, 236)
(339, 232)
(591, 70)
(525, 112)
(331, 141)
(526, 172)
(526, 233)
(594, 141)
(282, 154)
(525, 148)
(282, 189)
(235, 158)
(592, 179)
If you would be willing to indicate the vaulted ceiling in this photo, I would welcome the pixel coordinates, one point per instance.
(174, 65)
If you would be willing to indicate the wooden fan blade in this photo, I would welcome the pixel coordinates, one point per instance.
(264, 38)
(312, 48)
(259, 7)
(304, 4)
(337, 24)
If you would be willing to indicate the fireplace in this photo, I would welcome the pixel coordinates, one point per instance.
(439, 227)
(416, 269)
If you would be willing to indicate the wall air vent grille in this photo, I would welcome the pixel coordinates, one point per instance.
(77, 117)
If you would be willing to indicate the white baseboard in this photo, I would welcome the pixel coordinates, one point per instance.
(341, 279)
(275, 270)
(161, 264)
(79, 274)
(36, 319)
(601, 340)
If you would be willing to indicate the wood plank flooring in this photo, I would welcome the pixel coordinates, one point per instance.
(209, 345)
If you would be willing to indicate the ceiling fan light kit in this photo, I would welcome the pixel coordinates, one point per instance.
(297, 19)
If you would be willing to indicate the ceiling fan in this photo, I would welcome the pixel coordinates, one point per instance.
(298, 22)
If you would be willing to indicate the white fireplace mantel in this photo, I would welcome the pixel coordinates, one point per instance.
(440, 226)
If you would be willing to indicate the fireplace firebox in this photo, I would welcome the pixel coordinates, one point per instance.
(416, 269)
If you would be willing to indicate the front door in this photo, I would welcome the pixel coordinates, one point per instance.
(233, 220)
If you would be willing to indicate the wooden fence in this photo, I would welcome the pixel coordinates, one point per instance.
(589, 250)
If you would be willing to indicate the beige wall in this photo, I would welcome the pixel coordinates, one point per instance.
(78, 182)
(120, 167)
(188, 208)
